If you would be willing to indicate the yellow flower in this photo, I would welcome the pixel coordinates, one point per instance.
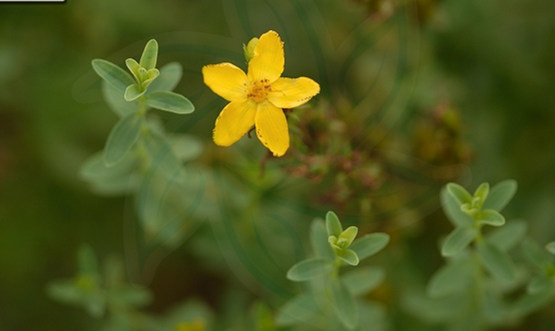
(258, 97)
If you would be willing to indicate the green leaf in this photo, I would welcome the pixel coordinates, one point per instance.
(531, 302)
(458, 192)
(169, 101)
(539, 284)
(491, 217)
(500, 195)
(344, 305)
(537, 256)
(362, 280)
(319, 240)
(482, 191)
(308, 269)
(133, 92)
(169, 77)
(333, 225)
(507, 236)
(347, 237)
(497, 262)
(369, 244)
(115, 100)
(550, 247)
(134, 67)
(453, 210)
(349, 256)
(457, 240)
(300, 309)
(452, 278)
(94, 169)
(150, 55)
(122, 138)
(112, 74)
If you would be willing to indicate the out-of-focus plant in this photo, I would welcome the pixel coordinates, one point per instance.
(105, 294)
(140, 158)
(473, 290)
(332, 299)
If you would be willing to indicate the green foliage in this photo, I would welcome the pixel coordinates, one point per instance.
(476, 282)
(330, 290)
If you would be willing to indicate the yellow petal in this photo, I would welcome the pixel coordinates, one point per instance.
(236, 119)
(226, 80)
(271, 128)
(292, 92)
(268, 60)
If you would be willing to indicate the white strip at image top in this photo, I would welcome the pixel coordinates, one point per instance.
(32, 1)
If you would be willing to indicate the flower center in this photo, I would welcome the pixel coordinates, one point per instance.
(259, 90)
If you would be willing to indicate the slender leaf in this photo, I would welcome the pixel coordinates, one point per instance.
(169, 101)
(550, 247)
(370, 244)
(453, 210)
(458, 240)
(344, 305)
(500, 195)
(308, 269)
(451, 279)
(122, 138)
(95, 169)
(508, 236)
(362, 280)
(150, 55)
(539, 284)
(491, 217)
(133, 92)
(300, 309)
(349, 256)
(115, 100)
(497, 262)
(333, 225)
(112, 74)
(458, 192)
(319, 240)
(535, 254)
(482, 191)
(134, 67)
(170, 75)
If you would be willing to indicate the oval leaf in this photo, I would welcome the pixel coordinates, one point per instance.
(333, 225)
(369, 244)
(122, 137)
(349, 256)
(150, 55)
(500, 195)
(451, 278)
(344, 305)
(458, 192)
(507, 236)
(362, 280)
(319, 240)
(170, 75)
(453, 210)
(299, 309)
(112, 74)
(497, 262)
(458, 240)
(169, 101)
(308, 269)
(132, 92)
(491, 217)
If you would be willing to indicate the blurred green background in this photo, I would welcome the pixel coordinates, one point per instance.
(492, 61)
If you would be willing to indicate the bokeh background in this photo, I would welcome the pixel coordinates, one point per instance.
(435, 90)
